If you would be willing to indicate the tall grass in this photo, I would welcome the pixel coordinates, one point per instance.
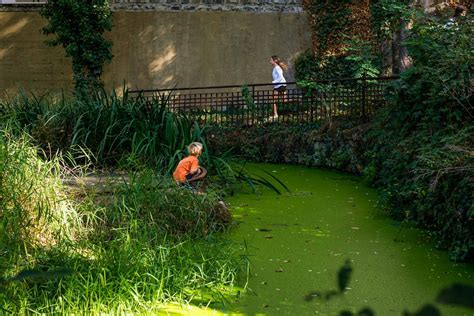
(132, 250)
(33, 209)
(120, 131)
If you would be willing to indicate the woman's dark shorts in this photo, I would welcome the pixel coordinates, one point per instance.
(280, 89)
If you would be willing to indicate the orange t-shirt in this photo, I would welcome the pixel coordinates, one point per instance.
(186, 166)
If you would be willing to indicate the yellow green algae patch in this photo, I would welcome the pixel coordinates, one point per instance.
(298, 243)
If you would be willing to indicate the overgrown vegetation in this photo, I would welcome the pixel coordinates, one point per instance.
(351, 39)
(131, 249)
(34, 210)
(79, 26)
(145, 243)
(113, 130)
(342, 42)
(422, 150)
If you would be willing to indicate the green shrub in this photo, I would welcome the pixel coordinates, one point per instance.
(309, 68)
(423, 142)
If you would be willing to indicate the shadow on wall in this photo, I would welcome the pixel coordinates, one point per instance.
(144, 54)
(188, 49)
(144, 51)
(25, 60)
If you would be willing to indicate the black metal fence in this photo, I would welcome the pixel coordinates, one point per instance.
(254, 104)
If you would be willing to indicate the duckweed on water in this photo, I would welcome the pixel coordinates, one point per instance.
(299, 242)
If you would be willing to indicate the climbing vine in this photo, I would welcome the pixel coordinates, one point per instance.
(333, 22)
(79, 26)
(342, 41)
(329, 21)
(350, 37)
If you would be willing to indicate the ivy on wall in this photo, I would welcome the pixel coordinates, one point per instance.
(350, 38)
(342, 41)
(79, 26)
(354, 38)
(333, 22)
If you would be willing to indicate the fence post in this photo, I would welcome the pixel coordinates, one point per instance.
(364, 96)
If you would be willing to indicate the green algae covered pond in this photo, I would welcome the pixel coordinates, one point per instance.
(299, 241)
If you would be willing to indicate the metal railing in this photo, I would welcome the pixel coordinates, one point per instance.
(253, 104)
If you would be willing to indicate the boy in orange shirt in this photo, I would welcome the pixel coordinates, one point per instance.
(188, 169)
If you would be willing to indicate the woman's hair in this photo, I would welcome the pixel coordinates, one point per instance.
(195, 148)
(279, 62)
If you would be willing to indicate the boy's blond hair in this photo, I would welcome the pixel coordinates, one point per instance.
(195, 149)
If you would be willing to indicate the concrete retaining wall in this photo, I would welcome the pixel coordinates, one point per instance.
(155, 49)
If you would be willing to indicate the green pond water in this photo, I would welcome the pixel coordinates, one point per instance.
(298, 241)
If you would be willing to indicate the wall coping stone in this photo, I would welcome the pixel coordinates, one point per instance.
(259, 6)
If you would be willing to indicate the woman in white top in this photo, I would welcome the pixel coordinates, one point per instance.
(279, 82)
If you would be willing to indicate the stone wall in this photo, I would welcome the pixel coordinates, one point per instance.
(155, 49)
(215, 5)
(182, 5)
(210, 5)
